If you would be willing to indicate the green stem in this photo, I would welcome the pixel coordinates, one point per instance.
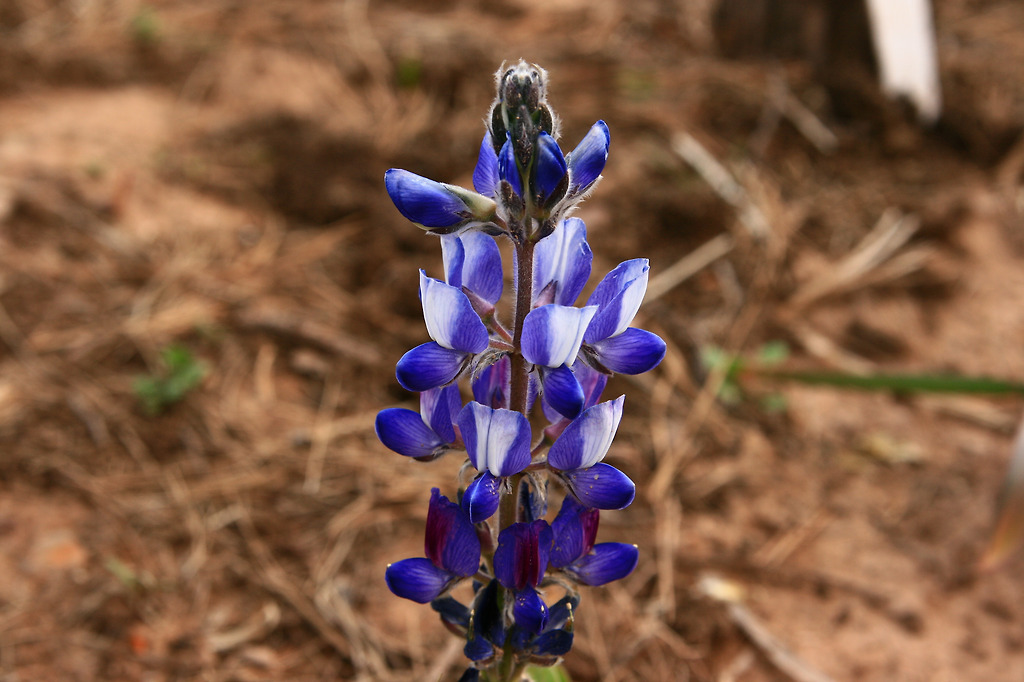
(900, 383)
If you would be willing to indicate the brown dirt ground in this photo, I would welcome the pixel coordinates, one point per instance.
(209, 174)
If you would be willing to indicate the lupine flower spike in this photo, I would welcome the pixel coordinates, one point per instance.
(518, 610)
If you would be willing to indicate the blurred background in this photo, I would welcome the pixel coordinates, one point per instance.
(204, 289)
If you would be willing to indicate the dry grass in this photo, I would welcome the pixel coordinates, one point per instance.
(219, 187)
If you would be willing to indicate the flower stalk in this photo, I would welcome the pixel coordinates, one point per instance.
(552, 368)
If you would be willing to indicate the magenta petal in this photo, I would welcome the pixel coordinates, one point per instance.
(451, 540)
(602, 486)
(417, 579)
(521, 557)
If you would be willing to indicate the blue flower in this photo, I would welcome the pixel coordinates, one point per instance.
(457, 333)
(576, 458)
(520, 562)
(561, 264)
(552, 335)
(453, 553)
(472, 263)
(498, 444)
(423, 435)
(550, 172)
(587, 160)
(436, 206)
(611, 344)
(485, 175)
(575, 554)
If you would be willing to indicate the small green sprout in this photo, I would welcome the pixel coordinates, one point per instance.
(182, 372)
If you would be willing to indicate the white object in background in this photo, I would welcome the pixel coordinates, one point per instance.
(904, 37)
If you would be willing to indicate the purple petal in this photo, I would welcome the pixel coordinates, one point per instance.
(588, 159)
(562, 391)
(450, 318)
(553, 643)
(618, 296)
(634, 351)
(507, 168)
(529, 610)
(451, 540)
(586, 440)
(575, 529)
(492, 386)
(550, 171)
(602, 486)
(440, 407)
(552, 334)
(497, 441)
(564, 258)
(422, 200)
(473, 260)
(482, 497)
(405, 432)
(592, 382)
(417, 579)
(609, 561)
(485, 175)
(521, 557)
(428, 366)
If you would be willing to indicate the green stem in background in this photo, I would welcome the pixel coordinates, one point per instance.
(900, 383)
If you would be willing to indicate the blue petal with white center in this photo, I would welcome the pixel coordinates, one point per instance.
(588, 159)
(485, 175)
(602, 486)
(450, 318)
(562, 391)
(440, 408)
(618, 296)
(472, 261)
(552, 333)
(430, 365)
(634, 351)
(550, 170)
(562, 263)
(586, 440)
(482, 497)
(497, 440)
